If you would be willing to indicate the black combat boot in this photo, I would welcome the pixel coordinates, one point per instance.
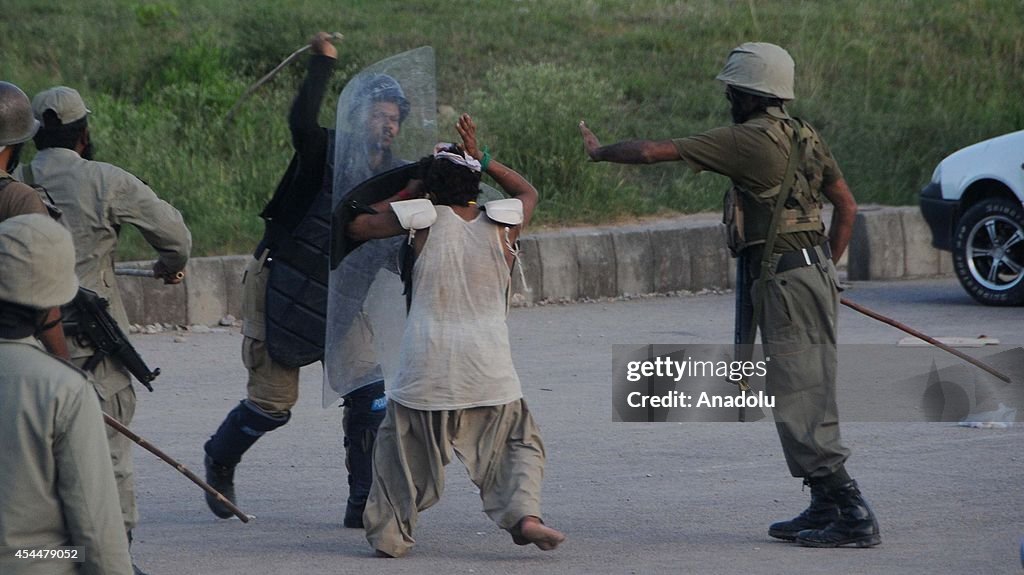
(819, 514)
(855, 526)
(364, 412)
(221, 478)
(242, 427)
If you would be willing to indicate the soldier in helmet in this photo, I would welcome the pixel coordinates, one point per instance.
(17, 126)
(57, 487)
(789, 271)
(284, 325)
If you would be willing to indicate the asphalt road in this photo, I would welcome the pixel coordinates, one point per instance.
(632, 497)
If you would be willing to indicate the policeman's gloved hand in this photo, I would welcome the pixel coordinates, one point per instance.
(161, 271)
(321, 44)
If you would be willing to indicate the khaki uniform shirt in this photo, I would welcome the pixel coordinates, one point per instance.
(17, 199)
(752, 160)
(97, 199)
(56, 484)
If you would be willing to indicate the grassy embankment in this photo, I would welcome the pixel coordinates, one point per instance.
(893, 85)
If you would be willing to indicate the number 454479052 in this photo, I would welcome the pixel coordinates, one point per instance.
(54, 553)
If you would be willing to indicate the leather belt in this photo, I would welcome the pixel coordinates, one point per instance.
(802, 258)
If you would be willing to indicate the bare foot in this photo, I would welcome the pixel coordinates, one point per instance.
(531, 530)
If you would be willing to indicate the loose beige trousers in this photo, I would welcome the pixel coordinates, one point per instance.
(120, 406)
(500, 447)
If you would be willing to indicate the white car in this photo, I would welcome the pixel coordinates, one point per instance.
(975, 208)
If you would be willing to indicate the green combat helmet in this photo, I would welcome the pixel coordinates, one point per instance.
(761, 69)
(16, 122)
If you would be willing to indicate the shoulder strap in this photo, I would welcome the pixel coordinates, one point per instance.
(796, 151)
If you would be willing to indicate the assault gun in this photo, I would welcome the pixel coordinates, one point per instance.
(88, 317)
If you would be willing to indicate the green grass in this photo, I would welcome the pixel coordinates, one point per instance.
(893, 85)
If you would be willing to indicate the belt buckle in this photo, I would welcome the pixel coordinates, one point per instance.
(807, 256)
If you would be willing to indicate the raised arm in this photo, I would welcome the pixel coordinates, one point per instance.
(628, 151)
(307, 134)
(510, 181)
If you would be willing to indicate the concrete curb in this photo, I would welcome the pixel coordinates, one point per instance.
(686, 253)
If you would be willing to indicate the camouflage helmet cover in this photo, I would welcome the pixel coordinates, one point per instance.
(760, 68)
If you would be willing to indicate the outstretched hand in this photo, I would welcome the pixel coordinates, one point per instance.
(590, 142)
(467, 130)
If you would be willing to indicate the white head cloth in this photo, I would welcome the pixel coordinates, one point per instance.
(463, 159)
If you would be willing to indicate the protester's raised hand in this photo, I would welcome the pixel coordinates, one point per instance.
(467, 130)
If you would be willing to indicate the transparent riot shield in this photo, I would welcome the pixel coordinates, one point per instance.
(386, 118)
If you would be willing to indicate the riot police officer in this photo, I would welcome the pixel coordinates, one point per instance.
(284, 286)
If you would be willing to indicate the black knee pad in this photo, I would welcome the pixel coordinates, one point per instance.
(364, 410)
(242, 427)
(254, 420)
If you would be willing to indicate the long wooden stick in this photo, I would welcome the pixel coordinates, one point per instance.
(181, 468)
(919, 335)
(269, 75)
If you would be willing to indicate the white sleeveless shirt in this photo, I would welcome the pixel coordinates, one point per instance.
(455, 349)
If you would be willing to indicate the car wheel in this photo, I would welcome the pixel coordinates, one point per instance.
(988, 252)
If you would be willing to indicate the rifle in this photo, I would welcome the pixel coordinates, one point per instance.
(744, 332)
(90, 320)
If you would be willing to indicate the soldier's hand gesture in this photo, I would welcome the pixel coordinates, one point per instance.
(590, 142)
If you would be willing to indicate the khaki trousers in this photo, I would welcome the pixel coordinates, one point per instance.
(271, 386)
(500, 447)
(110, 374)
(798, 329)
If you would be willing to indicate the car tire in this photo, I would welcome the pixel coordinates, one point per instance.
(988, 252)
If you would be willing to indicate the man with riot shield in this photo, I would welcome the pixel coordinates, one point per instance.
(455, 390)
(97, 199)
(285, 295)
(781, 170)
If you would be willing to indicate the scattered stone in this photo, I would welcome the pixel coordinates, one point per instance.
(227, 320)
(196, 328)
(180, 339)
